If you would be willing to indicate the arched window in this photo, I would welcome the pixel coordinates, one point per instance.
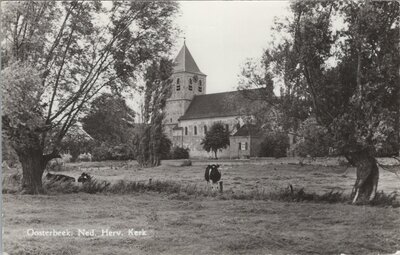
(200, 83)
(190, 84)
(178, 86)
(200, 88)
(205, 129)
(186, 131)
(195, 130)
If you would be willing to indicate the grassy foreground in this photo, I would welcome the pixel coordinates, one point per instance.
(208, 226)
(205, 225)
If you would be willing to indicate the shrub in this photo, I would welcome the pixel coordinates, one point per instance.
(121, 152)
(55, 165)
(101, 153)
(186, 162)
(316, 140)
(180, 153)
(11, 182)
(85, 157)
(274, 145)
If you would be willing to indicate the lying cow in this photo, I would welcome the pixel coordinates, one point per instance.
(59, 177)
(85, 178)
(212, 175)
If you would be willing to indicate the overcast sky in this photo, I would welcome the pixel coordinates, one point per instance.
(221, 35)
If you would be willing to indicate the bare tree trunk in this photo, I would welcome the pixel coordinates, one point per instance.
(33, 165)
(367, 175)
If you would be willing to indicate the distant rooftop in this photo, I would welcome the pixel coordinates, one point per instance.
(248, 130)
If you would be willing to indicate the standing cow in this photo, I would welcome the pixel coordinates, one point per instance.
(212, 175)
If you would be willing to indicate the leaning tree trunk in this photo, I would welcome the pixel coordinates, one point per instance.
(367, 175)
(33, 165)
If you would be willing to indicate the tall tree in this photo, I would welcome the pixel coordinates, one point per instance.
(68, 52)
(342, 59)
(153, 143)
(217, 138)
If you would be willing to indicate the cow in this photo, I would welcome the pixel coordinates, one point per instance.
(212, 175)
(85, 178)
(59, 177)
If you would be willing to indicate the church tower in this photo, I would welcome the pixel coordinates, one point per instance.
(187, 81)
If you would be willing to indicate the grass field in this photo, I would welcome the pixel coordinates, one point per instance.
(205, 225)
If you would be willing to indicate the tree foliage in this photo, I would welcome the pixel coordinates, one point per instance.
(76, 142)
(275, 145)
(315, 140)
(179, 153)
(60, 55)
(339, 61)
(217, 138)
(152, 143)
(109, 119)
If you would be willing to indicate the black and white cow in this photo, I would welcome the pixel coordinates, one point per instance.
(85, 178)
(59, 177)
(212, 175)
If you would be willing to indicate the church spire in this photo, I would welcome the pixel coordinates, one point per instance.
(184, 61)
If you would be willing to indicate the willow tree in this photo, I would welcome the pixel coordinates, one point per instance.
(57, 56)
(153, 143)
(339, 61)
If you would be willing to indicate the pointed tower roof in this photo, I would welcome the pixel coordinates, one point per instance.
(184, 62)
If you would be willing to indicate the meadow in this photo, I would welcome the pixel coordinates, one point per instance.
(179, 222)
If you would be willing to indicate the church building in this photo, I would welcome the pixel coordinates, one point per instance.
(190, 112)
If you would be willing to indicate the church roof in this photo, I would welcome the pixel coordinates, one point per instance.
(217, 105)
(184, 62)
(248, 130)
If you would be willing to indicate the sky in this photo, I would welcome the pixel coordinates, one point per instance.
(221, 35)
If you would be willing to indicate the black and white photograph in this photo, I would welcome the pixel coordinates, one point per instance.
(200, 127)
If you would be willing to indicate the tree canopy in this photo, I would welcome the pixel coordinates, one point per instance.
(59, 55)
(338, 62)
(152, 143)
(217, 138)
(109, 119)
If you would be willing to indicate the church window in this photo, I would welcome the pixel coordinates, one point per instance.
(190, 84)
(200, 89)
(170, 120)
(205, 129)
(177, 81)
(178, 85)
(200, 83)
(186, 131)
(195, 130)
